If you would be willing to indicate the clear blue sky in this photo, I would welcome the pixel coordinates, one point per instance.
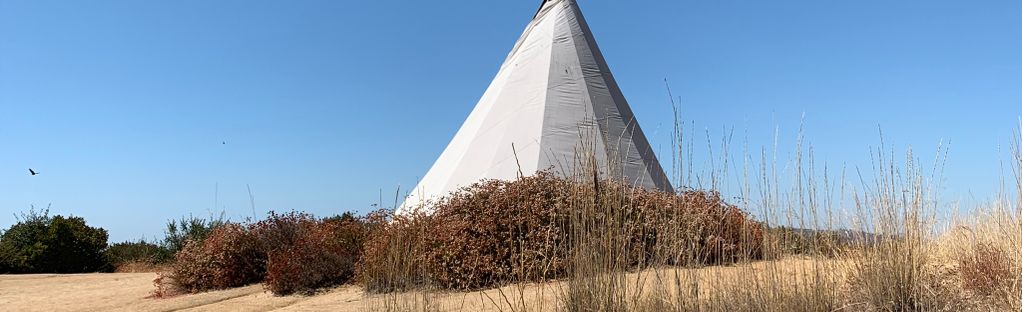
(122, 106)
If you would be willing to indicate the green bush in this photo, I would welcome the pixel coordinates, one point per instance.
(6, 257)
(39, 243)
(137, 252)
(179, 232)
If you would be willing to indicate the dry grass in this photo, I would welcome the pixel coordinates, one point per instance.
(654, 289)
(141, 267)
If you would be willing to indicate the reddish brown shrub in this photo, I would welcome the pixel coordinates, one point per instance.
(290, 253)
(728, 234)
(495, 232)
(230, 257)
(693, 227)
(986, 270)
(308, 254)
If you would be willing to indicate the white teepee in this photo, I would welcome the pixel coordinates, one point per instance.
(553, 86)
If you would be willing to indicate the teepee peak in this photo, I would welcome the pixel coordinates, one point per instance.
(553, 91)
(546, 4)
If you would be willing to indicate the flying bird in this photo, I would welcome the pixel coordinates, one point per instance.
(32, 172)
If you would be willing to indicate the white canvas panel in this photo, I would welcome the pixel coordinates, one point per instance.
(553, 92)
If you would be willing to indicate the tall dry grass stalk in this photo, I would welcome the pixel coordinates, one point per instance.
(893, 272)
(601, 248)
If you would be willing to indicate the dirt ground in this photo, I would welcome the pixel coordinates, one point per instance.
(129, 292)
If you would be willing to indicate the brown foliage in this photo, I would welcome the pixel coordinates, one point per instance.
(289, 253)
(305, 254)
(230, 257)
(495, 232)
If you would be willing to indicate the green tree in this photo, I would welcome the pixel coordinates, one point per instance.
(39, 243)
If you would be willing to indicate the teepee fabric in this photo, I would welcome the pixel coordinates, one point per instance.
(553, 93)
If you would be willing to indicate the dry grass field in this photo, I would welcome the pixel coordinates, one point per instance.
(130, 292)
